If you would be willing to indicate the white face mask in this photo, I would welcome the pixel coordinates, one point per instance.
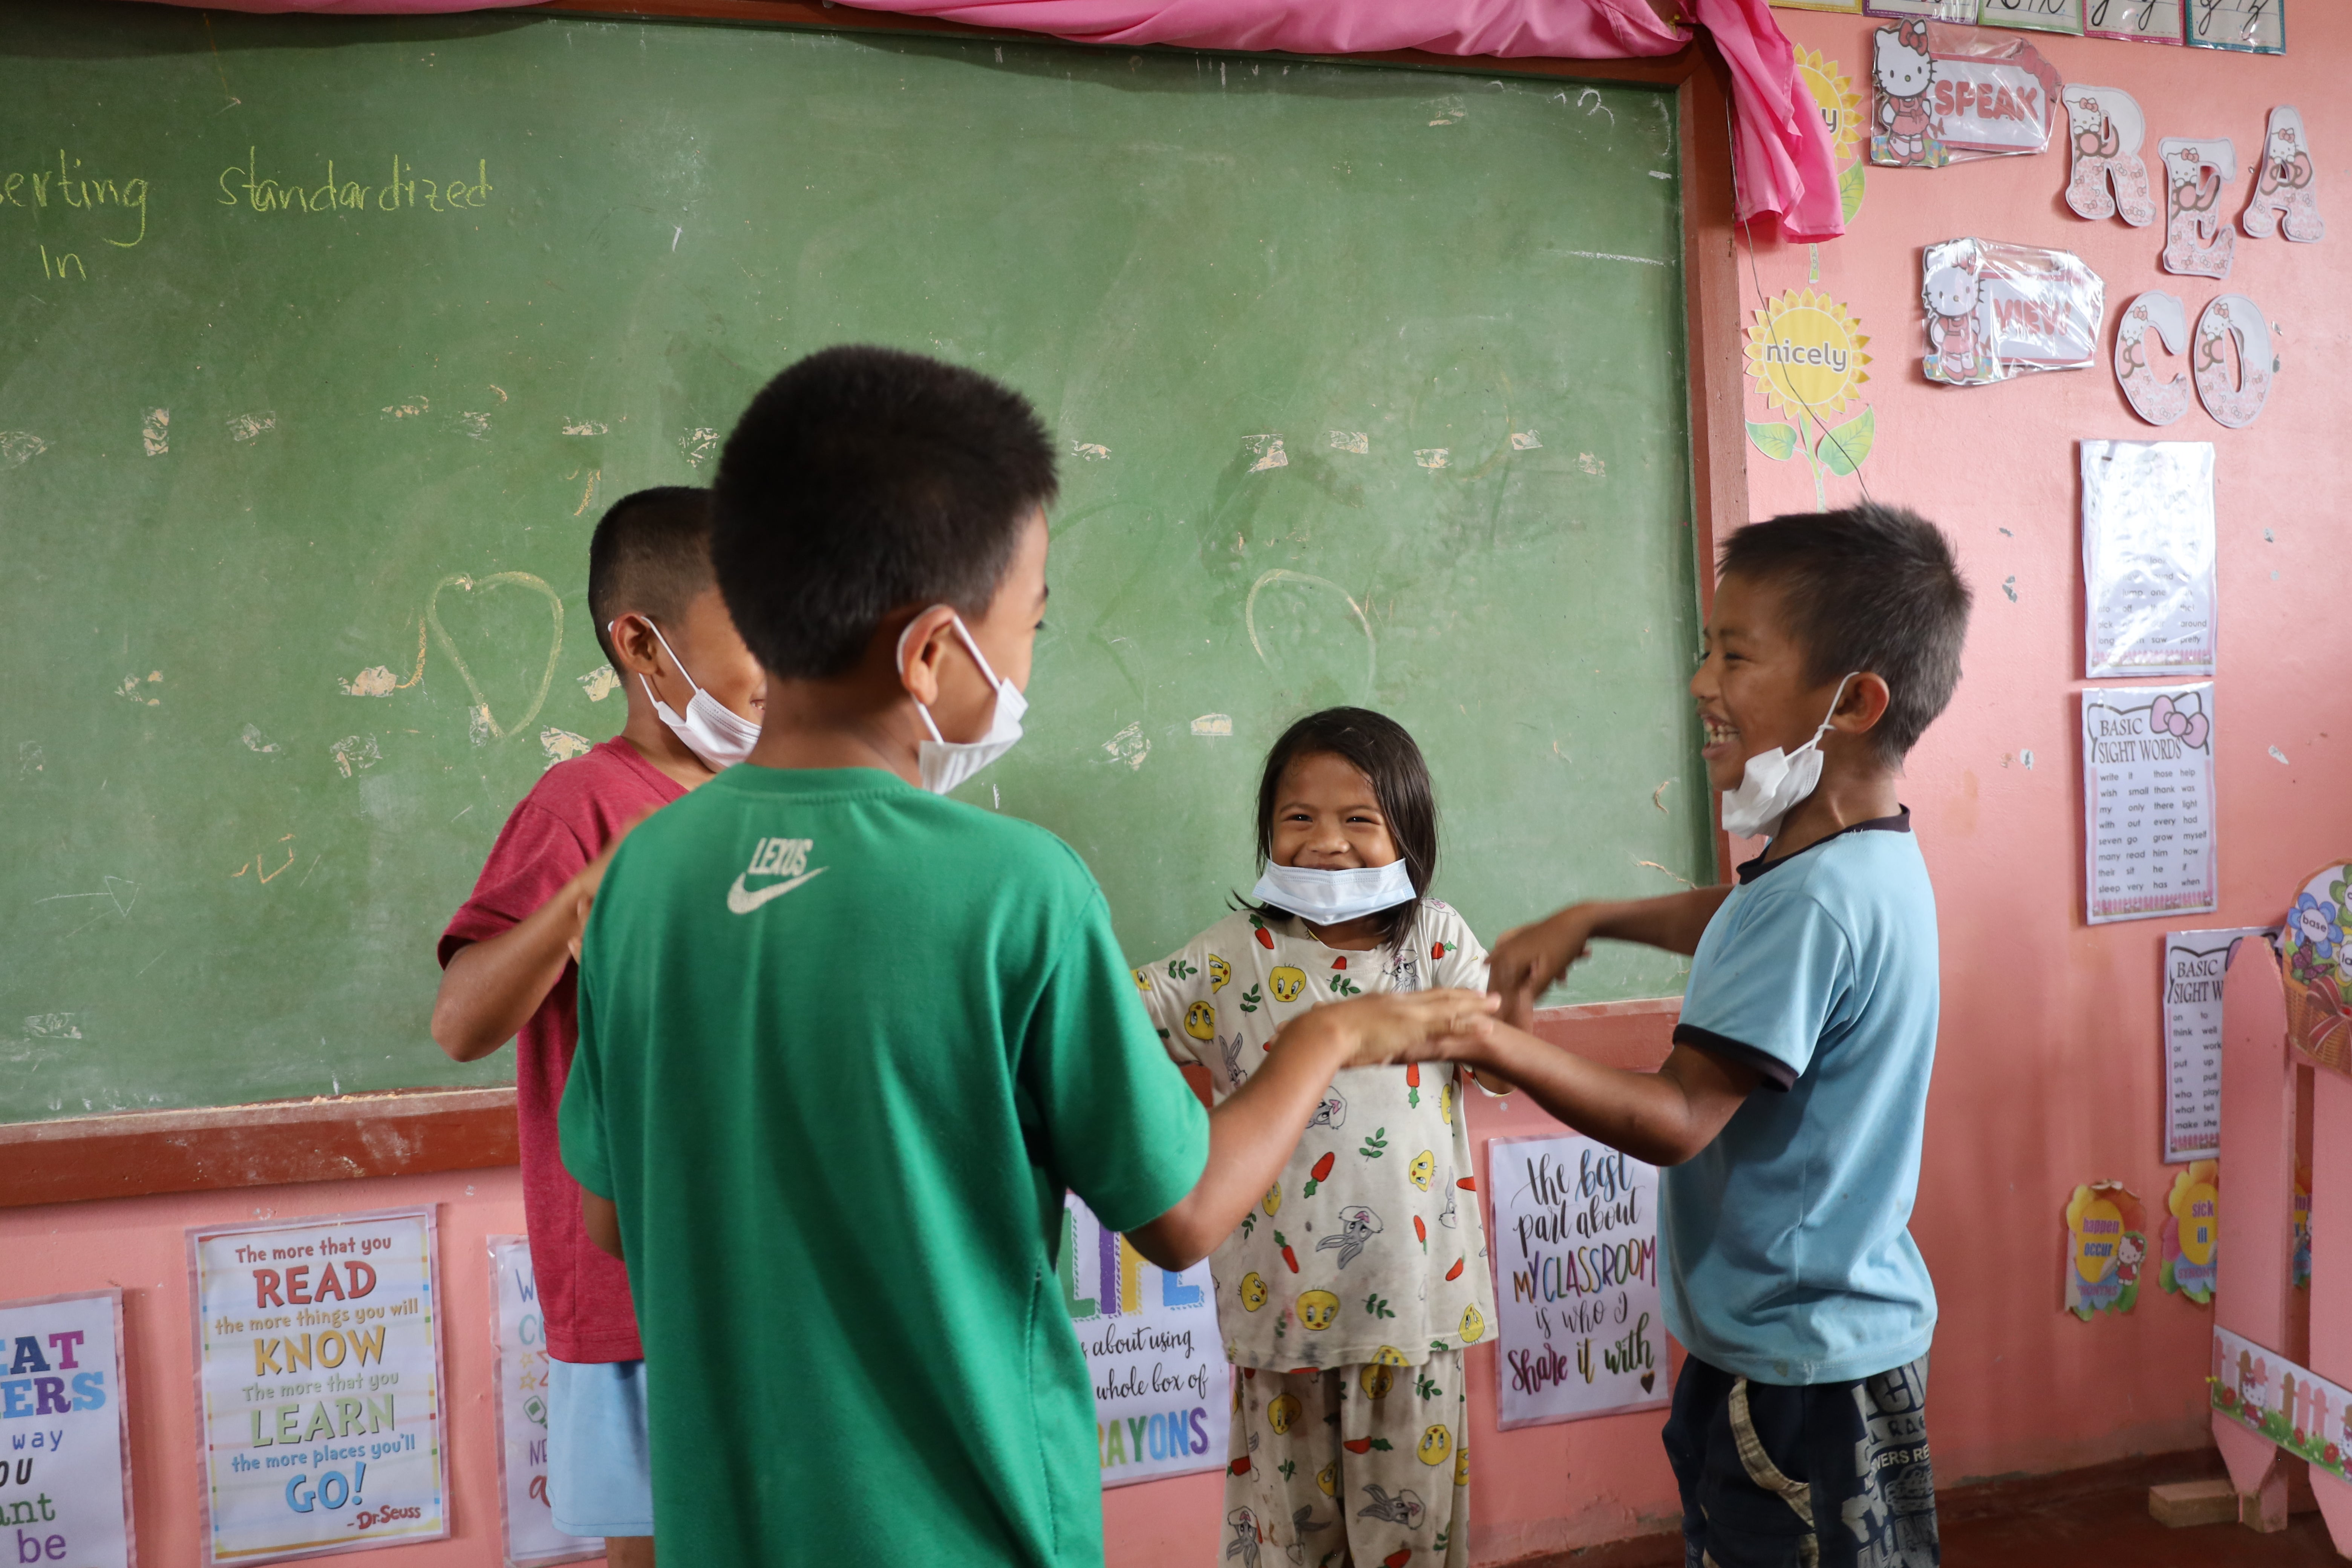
(1333, 897)
(1776, 782)
(946, 763)
(710, 729)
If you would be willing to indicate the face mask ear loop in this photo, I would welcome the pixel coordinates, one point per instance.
(1831, 718)
(978, 657)
(673, 657)
(920, 706)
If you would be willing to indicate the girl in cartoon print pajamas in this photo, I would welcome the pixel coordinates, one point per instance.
(1346, 1299)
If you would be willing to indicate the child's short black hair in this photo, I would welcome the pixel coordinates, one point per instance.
(650, 556)
(1871, 588)
(1379, 749)
(863, 480)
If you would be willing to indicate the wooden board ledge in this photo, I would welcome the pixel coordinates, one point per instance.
(399, 1133)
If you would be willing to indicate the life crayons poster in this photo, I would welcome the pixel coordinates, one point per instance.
(319, 1385)
(520, 1334)
(65, 1488)
(1575, 1240)
(1163, 1389)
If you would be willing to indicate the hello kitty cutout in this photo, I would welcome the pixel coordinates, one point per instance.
(1902, 72)
(2199, 240)
(2284, 186)
(2157, 402)
(1955, 336)
(2105, 129)
(2239, 321)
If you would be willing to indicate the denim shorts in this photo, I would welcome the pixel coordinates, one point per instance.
(599, 1459)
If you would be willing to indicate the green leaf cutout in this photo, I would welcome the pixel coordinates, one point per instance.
(1778, 442)
(1849, 190)
(1843, 448)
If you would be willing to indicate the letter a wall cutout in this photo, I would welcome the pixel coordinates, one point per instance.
(2105, 131)
(2197, 239)
(2236, 317)
(2157, 402)
(2286, 190)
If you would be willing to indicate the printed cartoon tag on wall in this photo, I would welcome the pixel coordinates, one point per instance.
(2284, 185)
(1944, 94)
(1841, 115)
(2105, 128)
(1805, 357)
(2191, 1232)
(2106, 1242)
(2197, 239)
(2317, 945)
(2233, 328)
(2157, 402)
(1997, 310)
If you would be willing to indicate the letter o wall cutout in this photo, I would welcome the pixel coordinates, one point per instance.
(2233, 316)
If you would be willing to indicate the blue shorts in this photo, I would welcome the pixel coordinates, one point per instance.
(599, 1458)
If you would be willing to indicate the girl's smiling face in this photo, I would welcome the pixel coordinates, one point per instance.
(1326, 817)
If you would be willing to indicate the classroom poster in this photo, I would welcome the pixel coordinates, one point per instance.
(2147, 801)
(319, 1385)
(2148, 558)
(64, 1480)
(1575, 1240)
(2194, 964)
(1163, 1389)
(517, 1329)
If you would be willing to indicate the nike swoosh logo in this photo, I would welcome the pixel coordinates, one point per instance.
(741, 901)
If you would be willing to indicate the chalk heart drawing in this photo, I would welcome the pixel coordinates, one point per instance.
(1290, 616)
(500, 729)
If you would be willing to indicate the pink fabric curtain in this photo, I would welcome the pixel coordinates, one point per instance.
(1783, 154)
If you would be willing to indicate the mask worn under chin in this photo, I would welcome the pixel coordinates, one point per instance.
(1333, 897)
(945, 764)
(1776, 781)
(710, 729)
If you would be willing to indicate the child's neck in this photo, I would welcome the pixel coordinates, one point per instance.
(852, 723)
(1859, 791)
(659, 745)
(1360, 935)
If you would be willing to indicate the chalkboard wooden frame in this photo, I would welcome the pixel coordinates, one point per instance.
(417, 1131)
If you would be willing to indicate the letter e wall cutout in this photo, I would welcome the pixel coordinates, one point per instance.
(2198, 240)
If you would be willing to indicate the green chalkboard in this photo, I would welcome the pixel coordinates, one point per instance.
(325, 340)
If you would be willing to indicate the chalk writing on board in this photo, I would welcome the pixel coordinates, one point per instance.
(71, 187)
(342, 194)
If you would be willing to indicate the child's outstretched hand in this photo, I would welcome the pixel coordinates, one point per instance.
(1532, 958)
(1416, 1026)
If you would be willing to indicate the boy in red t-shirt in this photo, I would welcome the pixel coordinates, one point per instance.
(694, 694)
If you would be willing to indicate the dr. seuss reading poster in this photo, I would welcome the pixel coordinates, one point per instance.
(1576, 1280)
(1163, 1390)
(65, 1485)
(319, 1385)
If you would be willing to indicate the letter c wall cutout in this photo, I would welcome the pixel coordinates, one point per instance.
(2157, 402)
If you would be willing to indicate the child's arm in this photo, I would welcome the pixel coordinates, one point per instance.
(1663, 1118)
(1253, 1133)
(491, 987)
(1530, 959)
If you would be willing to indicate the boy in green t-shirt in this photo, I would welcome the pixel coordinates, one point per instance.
(843, 1043)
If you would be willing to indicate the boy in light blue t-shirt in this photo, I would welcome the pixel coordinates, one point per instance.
(1788, 1116)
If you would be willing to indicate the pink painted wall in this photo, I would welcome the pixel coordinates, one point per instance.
(2050, 1071)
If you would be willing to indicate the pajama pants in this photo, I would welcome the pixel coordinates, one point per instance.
(1361, 1463)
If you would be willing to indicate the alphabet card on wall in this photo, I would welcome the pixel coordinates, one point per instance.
(1998, 311)
(2158, 401)
(2033, 16)
(2147, 801)
(2104, 131)
(1961, 11)
(2148, 558)
(2197, 239)
(2136, 21)
(2107, 1243)
(1163, 1389)
(518, 1331)
(2196, 962)
(2249, 27)
(319, 1412)
(2287, 189)
(1576, 1240)
(1842, 7)
(64, 1472)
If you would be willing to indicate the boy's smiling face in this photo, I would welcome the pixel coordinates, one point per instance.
(1753, 690)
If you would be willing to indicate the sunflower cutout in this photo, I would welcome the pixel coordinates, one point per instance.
(1805, 356)
(1840, 111)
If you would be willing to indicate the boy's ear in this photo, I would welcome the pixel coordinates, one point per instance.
(918, 650)
(1863, 704)
(635, 649)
